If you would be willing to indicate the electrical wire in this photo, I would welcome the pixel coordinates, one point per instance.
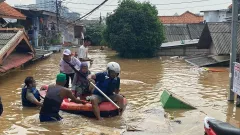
(195, 6)
(165, 4)
(90, 11)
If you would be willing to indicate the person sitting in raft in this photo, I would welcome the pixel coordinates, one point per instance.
(81, 84)
(65, 68)
(30, 94)
(1, 107)
(54, 98)
(109, 83)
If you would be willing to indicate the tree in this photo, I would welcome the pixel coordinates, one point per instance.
(134, 30)
(94, 31)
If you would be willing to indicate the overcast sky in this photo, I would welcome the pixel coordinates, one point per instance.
(165, 7)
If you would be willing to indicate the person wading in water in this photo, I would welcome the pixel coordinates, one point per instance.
(64, 67)
(54, 98)
(30, 94)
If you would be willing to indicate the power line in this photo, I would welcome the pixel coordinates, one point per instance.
(88, 9)
(85, 3)
(91, 11)
(159, 8)
(194, 6)
(187, 2)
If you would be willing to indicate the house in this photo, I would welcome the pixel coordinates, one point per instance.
(217, 38)
(44, 23)
(15, 49)
(185, 18)
(217, 15)
(50, 5)
(182, 40)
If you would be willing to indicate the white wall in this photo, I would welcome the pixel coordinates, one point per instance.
(66, 30)
(215, 16)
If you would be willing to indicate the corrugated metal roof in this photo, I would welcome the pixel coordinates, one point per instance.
(5, 38)
(176, 33)
(183, 32)
(206, 61)
(195, 30)
(220, 36)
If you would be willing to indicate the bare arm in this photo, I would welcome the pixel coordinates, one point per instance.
(91, 77)
(30, 97)
(73, 98)
(85, 59)
(117, 91)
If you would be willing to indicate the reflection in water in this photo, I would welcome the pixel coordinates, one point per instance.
(138, 85)
(142, 82)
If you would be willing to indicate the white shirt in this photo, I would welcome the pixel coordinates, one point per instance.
(65, 68)
(82, 52)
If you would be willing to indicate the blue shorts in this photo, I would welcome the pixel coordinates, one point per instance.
(46, 118)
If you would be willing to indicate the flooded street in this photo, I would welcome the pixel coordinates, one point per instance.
(142, 82)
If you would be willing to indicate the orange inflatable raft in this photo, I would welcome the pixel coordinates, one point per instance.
(107, 109)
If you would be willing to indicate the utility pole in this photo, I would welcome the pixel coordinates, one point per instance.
(57, 13)
(233, 46)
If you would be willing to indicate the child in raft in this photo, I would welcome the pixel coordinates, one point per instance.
(30, 94)
(81, 85)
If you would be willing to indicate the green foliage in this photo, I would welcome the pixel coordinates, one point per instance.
(94, 31)
(134, 30)
(56, 39)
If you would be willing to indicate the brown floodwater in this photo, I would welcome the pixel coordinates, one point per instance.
(142, 82)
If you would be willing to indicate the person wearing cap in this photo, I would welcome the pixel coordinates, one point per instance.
(65, 68)
(54, 98)
(83, 50)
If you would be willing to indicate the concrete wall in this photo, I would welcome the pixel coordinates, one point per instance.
(215, 16)
(182, 51)
(213, 49)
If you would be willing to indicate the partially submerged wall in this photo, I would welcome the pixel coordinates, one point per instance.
(182, 51)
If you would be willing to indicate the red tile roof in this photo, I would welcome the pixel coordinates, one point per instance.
(185, 18)
(6, 11)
